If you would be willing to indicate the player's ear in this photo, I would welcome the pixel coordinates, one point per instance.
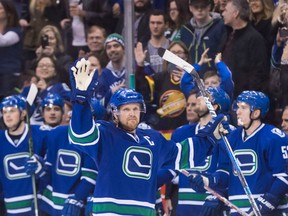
(256, 114)
(115, 117)
(23, 115)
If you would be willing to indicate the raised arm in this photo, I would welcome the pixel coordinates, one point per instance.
(82, 129)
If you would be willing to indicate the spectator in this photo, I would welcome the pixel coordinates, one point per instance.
(222, 77)
(10, 49)
(55, 47)
(261, 19)
(142, 9)
(278, 77)
(113, 76)
(284, 124)
(157, 26)
(34, 17)
(46, 80)
(179, 15)
(204, 30)
(165, 101)
(96, 37)
(85, 14)
(242, 47)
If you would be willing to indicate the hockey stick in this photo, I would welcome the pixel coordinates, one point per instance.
(30, 99)
(174, 59)
(221, 198)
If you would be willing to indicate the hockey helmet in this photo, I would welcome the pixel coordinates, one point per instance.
(14, 101)
(221, 98)
(52, 99)
(126, 96)
(256, 100)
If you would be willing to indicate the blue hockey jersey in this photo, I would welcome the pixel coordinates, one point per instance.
(17, 185)
(262, 157)
(128, 164)
(70, 172)
(189, 201)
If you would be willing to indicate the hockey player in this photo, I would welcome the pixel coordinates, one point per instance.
(261, 151)
(52, 109)
(189, 201)
(14, 152)
(128, 158)
(70, 174)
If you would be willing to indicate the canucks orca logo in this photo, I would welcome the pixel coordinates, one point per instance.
(247, 160)
(14, 165)
(68, 162)
(137, 162)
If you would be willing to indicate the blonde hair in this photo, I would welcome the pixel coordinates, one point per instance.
(267, 13)
(54, 29)
(36, 5)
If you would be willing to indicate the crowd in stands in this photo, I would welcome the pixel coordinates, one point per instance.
(234, 45)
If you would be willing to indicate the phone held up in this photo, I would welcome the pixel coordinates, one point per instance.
(44, 41)
(283, 32)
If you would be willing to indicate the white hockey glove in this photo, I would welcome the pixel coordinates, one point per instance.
(82, 80)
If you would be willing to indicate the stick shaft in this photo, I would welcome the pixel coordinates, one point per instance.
(30, 98)
(221, 198)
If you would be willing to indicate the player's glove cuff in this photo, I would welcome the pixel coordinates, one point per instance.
(266, 203)
(72, 207)
(34, 165)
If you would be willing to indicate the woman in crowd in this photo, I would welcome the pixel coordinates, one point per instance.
(46, 79)
(179, 15)
(10, 48)
(51, 44)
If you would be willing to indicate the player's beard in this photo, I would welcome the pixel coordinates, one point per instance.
(130, 125)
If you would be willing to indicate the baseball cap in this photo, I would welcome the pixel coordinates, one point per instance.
(202, 3)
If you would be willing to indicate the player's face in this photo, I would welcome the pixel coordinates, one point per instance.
(52, 115)
(243, 114)
(129, 116)
(201, 107)
(190, 109)
(115, 52)
(11, 117)
(157, 25)
(284, 124)
(212, 81)
(95, 41)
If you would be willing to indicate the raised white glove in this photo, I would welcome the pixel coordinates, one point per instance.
(82, 74)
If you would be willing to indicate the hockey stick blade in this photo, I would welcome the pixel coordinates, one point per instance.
(174, 59)
(32, 94)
